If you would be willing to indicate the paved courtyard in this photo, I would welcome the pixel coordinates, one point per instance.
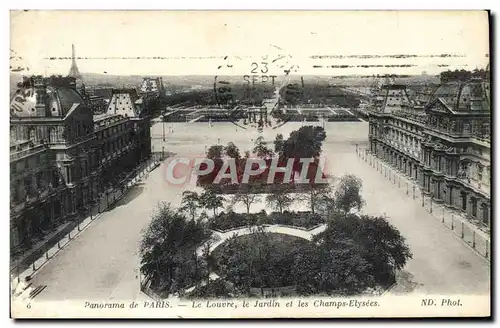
(102, 263)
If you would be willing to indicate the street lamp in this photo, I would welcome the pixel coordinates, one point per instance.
(79, 220)
(163, 127)
(432, 196)
(444, 197)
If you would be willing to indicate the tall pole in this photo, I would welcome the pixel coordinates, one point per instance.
(163, 127)
(432, 196)
(79, 221)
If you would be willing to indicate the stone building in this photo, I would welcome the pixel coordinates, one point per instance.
(444, 145)
(456, 159)
(60, 154)
(396, 129)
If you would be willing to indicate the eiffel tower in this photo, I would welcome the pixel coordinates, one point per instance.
(73, 71)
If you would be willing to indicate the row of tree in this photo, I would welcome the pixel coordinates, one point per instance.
(318, 93)
(345, 197)
(463, 75)
(230, 220)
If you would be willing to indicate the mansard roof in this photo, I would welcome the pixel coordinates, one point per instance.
(37, 96)
(469, 96)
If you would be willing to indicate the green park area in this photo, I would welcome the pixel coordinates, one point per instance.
(205, 248)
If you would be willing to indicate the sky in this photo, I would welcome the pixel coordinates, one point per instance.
(228, 42)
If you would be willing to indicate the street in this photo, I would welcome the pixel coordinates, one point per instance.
(441, 262)
(102, 263)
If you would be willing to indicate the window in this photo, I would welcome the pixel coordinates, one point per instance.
(485, 214)
(479, 172)
(27, 186)
(55, 178)
(474, 207)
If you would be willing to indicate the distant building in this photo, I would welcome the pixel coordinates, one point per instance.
(444, 144)
(98, 104)
(74, 71)
(62, 157)
(152, 85)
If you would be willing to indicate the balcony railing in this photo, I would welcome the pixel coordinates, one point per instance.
(27, 152)
(463, 134)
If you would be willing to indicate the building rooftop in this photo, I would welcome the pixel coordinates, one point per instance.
(473, 95)
(37, 96)
(101, 117)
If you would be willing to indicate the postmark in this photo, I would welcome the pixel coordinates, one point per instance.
(252, 89)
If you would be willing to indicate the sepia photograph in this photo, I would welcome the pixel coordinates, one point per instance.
(250, 164)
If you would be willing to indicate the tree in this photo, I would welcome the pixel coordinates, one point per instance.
(261, 149)
(316, 196)
(360, 252)
(279, 143)
(348, 193)
(260, 259)
(232, 151)
(168, 251)
(246, 196)
(280, 200)
(190, 203)
(215, 152)
(211, 200)
(305, 142)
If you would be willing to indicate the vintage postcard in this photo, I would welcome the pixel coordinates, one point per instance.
(250, 164)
